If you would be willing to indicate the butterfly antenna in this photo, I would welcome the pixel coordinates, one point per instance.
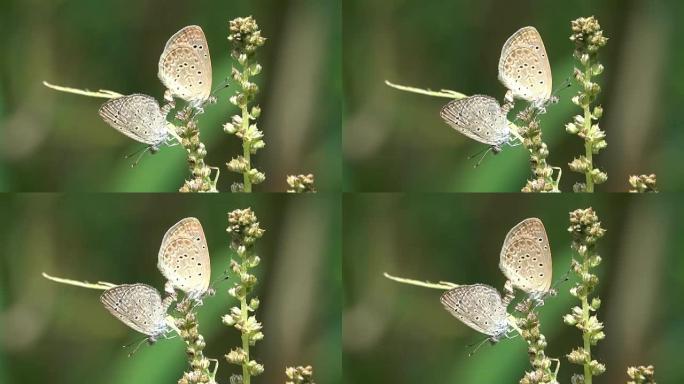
(482, 158)
(477, 164)
(224, 84)
(554, 95)
(566, 277)
(137, 346)
(134, 153)
(225, 276)
(476, 153)
(564, 85)
(471, 353)
(137, 161)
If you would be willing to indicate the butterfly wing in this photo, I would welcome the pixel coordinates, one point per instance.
(184, 257)
(524, 66)
(525, 257)
(185, 65)
(137, 305)
(479, 118)
(136, 116)
(478, 306)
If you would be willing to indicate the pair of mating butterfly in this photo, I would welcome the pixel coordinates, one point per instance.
(184, 261)
(525, 260)
(524, 69)
(185, 70)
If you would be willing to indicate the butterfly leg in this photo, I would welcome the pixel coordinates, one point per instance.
(215, 181)
(172, 131)
(557, 181)
(171, 323)
(166, 108)
(216, 364)
(168, 300)
(517, 142)
(509, 102)
(509, 293)
(555, 371)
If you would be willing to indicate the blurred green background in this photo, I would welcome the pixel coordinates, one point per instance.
(397, 333)
(396, 141)
(61, 334)
(51, 141)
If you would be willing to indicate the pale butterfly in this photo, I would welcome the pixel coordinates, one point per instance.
(479, 118)
(525, 258)
(184, 258)
(140, 307)
(480, 307)
(139, 117)
(524, 67)
(185, 66)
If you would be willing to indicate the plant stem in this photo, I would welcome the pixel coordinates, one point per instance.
(585, 229)
(588, 39)
(588, 145)
(245, 341)
(536, 344)
(189, 330)
(425, 284)
(244, 230)
(196, 151)
(587, 342)
(103, 93)
(246, 148)
(532, 140)
(447, 93)
(101, 285)
(245, 38)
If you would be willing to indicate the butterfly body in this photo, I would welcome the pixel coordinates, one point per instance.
(185, 66)
(480, 118)
(480, 307)
(524, 67)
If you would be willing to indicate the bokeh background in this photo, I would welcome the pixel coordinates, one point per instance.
(396, 141)
(51, 141)
(397, 333)
(61, 334)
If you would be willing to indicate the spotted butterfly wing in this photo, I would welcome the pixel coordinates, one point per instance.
(478, 117)
(524, 66)
(137, 305)
(184, 258)
(138, 117)
(185, 66)
(478, 306)
(525, 257)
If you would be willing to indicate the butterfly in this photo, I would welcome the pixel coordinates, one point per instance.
(184, 258)
(524, 67)
(139, 117)
(185, 66)
(525, 258)
(479, 118)
(480, 307)
(140, 307)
